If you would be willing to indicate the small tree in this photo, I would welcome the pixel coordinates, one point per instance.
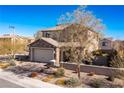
(80, 21)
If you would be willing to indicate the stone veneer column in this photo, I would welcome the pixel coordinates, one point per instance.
(57, 63)
(31, 53)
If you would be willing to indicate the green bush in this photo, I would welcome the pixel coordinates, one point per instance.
(72, 82)
(60, 72)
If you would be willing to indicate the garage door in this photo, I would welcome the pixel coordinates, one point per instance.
(43, 55)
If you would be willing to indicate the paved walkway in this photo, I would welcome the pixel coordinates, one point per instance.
(7, 84)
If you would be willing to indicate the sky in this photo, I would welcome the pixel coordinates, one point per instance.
(29, 19)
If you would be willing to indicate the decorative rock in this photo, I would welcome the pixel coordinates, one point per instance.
(49, 71)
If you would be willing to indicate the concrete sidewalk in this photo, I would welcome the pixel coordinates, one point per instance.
(7, 84)
(25, 81)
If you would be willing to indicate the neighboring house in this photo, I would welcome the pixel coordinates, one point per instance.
(110, 44)
(8, 41)
(118, 45)
(49, 45)
(106, 44)
(17, 38)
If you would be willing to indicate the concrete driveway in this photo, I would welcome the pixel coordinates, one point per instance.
(7, 84)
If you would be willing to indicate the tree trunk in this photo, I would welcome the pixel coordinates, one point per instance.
(78, 71)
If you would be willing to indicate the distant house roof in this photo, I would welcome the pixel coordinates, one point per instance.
(110, 39)
(16, 36)
(7, 36)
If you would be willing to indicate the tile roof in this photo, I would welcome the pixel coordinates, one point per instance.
(16, 36)
(51, 41)
(54, 43)
(62, 27)
(56, 28)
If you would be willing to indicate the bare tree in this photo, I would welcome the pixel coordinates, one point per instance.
(78, 37)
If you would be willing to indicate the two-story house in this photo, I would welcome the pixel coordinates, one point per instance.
(60, 32)
(49, 45)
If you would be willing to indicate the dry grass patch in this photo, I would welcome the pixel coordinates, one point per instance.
(4, 65)
(60, 82)
(47, 78)
(91, 74)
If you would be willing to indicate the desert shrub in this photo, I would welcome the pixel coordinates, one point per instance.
(60, 82)
(47, 79)
(91, 74)
(117, 62)
(119, 74)
(111, 78)
(97, 83)
(104, 53)
(60, 72)
(12, 63)
(97, 53)
(34, 74)
(72, 82)
(101, 83)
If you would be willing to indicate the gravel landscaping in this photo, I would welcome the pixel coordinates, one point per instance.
(63, 77)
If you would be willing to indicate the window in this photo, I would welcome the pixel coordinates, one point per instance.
(104, 43)
(47, 34)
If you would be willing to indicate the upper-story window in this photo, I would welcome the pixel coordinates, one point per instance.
(46, 34)
(104, 43)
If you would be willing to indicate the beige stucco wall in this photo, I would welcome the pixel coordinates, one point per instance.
(93, 41)
(92, 36)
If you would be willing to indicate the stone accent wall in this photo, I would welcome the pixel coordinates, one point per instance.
(100, 70)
